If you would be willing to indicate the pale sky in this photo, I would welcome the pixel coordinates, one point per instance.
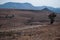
(52, 3)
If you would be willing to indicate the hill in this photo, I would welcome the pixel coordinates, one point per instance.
(12, 5)
(18, 17)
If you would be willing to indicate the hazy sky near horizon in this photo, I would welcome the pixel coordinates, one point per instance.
(52, 3)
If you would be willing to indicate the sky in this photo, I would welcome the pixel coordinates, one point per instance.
(52, 3)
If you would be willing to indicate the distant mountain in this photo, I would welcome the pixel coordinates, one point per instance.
(16, 5)
(13, 5)
(57, 10)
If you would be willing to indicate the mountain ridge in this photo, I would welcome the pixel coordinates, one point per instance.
(13, 5)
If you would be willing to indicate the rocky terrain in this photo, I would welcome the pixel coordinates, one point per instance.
(15, 25)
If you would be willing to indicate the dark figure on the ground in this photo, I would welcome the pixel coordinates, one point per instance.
(52, 17)
(1, 25)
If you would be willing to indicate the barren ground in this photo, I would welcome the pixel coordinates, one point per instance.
(33, 32)
(15, 28)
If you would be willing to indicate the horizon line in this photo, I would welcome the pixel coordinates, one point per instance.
(31, 4)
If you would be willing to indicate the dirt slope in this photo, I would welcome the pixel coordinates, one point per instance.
(49, 32)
